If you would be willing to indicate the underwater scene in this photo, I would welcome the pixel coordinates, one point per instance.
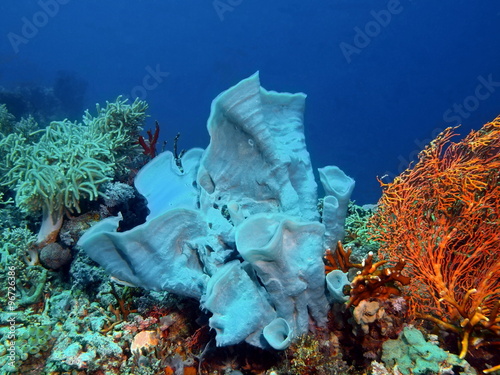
(249, 187)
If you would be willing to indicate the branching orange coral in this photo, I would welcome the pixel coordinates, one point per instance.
(371, 281)
(443, 217)
(339, 259)
(375, 282)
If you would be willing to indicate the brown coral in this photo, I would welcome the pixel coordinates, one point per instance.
(371, 281)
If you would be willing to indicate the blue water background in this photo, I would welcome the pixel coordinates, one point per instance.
(368, 112)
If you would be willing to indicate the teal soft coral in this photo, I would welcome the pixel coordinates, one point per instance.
(70, 161)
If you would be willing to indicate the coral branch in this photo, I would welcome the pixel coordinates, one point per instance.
(149, 146)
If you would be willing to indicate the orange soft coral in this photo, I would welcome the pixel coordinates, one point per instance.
(442, 216)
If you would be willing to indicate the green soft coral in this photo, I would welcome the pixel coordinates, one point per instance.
(120, 123)
(70, 161)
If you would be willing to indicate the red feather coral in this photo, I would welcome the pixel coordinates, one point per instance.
(149, 146)
(442, 216)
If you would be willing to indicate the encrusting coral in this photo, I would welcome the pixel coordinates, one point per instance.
(410, 353)
(70, 161)
(442, 217)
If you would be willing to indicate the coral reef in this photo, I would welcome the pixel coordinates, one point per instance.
(315, 355)
(80, 344)
(441, 216)
(216, 255)
(64, 99)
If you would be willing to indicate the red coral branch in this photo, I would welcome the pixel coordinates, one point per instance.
(149, 146)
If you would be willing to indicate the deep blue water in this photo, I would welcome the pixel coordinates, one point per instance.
(381, 77)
